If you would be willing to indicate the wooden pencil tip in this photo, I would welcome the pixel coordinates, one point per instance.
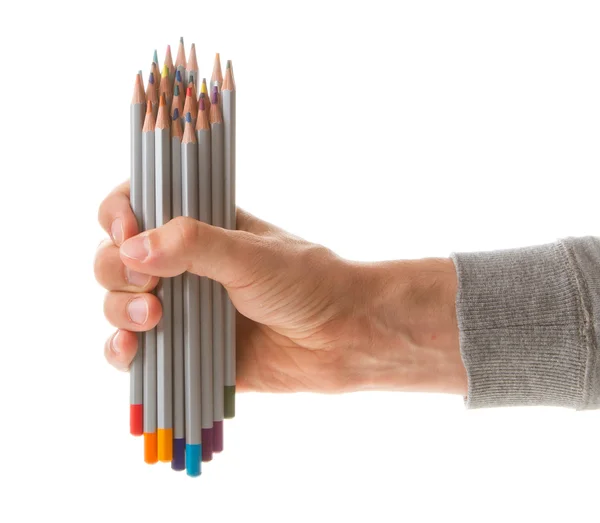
(163, 100)
(149, 107)
(176, 91)
(176, 114)
(181, 40)
(188, 117)
(165, 71)
(151, 78)
(189, 91)
(228, 64)
(201, 105)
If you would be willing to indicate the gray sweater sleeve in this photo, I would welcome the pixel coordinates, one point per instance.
(529, 322)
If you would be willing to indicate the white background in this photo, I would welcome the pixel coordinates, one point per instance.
(380, 129)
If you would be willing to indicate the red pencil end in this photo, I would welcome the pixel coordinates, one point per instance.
(136, 420)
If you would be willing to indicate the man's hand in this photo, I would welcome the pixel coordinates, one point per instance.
(308, 320)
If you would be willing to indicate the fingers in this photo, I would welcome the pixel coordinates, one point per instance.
(112, 274)
(120, 349)
(116, 217)
(134, 312)
(185, 244)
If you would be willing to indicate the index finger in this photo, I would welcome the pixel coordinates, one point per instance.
(116, 217)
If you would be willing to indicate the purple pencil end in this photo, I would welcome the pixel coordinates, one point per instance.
(218, 436)
(178, 462)
(207, 444)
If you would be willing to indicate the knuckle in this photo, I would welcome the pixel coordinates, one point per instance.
(187, 229)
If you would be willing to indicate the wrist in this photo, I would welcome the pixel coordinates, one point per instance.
(407, 330)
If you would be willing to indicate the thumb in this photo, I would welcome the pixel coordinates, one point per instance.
(185, 244)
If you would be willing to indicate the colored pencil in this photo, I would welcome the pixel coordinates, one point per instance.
(177, 104)
(191, 106)
(152, 93)
(178, 462)
(218, 220)
(204, 90)
(191, 311)
(148, 222)
(204, 138)
(166, 88)
(169, 63)
(228, 96)
(137, 112)
(180, 61)
(191, 66)
(164, 329)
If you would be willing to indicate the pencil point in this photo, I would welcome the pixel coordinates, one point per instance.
(178, 75)
(176, 91)
(148, 107)
(228, 64)
(163, 100)
(189, 91)
(176, 114)
(188, 117)
(201, 105)
(155, 57)
(214, 99)
(165, 71)
(181, 39)
(151, 78)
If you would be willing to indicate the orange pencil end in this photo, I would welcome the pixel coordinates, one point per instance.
(165, 445)
(150, 448)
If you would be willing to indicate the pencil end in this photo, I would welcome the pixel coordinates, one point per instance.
(193, 460)
(178, 462)
(136, 420)
(229, 401)
(218, 436)
(150, 448)
(165, 445)
(207, 444)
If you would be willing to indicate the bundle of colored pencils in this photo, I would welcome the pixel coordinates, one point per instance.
(183, 164)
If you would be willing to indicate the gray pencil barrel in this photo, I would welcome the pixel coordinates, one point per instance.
(164, 349)
(191, 306)
(218, 219)
(149, 222)
(136, 383)
(177, 303)
(206, 306)
(229, 108)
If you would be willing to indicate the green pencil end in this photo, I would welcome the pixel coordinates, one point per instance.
(229, 401)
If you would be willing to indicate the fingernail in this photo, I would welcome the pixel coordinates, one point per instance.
(114, 344)
(137, 278)
(116, 231)
(137, 248)
(138, 311)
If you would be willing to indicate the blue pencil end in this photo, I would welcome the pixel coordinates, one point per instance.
(193, 460)
(178, 462)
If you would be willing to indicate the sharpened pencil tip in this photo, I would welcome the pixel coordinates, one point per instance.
(228, 64)
(192, 79)
(188, 117)
(189, 91)
(214, 99)
(201, 106)
(148, 107)
(181, 39)
(163, 100)
(151, 78)
(178, 75)
(155, 57)
(165, 71)
(176, 114)
(176, 92)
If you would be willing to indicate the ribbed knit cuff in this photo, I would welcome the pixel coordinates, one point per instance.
(527, 327)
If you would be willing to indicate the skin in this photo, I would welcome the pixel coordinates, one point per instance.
(308, 320)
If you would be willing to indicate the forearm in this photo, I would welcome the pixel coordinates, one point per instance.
(407, 328)
(514, 327)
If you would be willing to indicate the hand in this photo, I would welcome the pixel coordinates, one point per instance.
(308, 320)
